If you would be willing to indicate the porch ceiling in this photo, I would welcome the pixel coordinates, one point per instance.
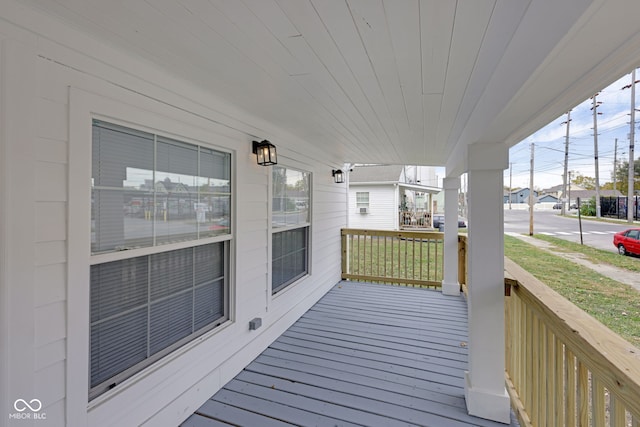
(379, 81)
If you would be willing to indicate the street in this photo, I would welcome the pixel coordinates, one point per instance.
(596, 234)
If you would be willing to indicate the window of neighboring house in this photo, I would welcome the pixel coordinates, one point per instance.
(160, 234)
(362, 201)
(291, 198)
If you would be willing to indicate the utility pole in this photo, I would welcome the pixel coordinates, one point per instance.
(630, 206)
(569, 193)
(632, 136)
(510, 181)
(531, 193)
(566, 162)
(615, 164)
(596, 104)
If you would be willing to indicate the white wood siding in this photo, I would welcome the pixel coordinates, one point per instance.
(37, 71)
(383, 207)
(18, 235)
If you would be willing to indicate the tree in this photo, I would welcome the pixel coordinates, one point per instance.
(586, 182)
(606, 186)
(622, 175)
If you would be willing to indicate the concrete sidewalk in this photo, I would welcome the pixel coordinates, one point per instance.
(630, 278)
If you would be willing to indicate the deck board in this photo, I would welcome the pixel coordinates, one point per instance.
(365, 354)
(297, 411)
(400, 338)
(372, 368)
(197, 420)
(414, 355)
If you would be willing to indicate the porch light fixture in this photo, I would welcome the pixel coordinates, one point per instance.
(338, 176)
(265, 152)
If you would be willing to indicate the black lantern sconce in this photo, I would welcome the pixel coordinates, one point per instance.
(265, 152)
(338, 176)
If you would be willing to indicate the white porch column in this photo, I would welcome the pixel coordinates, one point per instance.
(450, 285)
(485, 391)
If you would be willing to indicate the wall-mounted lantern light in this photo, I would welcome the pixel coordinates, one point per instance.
(265, 152)
(338, 176)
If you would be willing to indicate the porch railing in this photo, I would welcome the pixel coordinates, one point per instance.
(412, 258)
(414, 220)
(563, 367)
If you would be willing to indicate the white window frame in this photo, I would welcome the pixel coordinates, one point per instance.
(151, 117)
(362, 205)
(158, 248)
(273, 230)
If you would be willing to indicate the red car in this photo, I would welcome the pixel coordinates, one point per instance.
(628, 241)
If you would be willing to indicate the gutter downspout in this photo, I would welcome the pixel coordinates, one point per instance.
(347, 170)
(396, 202)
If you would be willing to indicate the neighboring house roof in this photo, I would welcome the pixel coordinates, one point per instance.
(378, 173)
(553, 189)
(548, 198)
(386, 174)
(520, 190)
(587, 194)
(558, 188)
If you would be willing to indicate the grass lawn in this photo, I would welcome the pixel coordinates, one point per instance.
(397, 258)
(614, 304)
(596, 256)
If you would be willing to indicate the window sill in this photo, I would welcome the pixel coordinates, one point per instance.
(158, 365)
(290, 286)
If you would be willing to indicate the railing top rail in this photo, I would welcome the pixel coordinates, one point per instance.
(392, 233)
(615, 361)
(396, 233)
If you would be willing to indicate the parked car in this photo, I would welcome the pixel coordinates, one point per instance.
(438, 220)
(627, 241)
(557, 206)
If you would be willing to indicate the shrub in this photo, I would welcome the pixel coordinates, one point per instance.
(588, 207)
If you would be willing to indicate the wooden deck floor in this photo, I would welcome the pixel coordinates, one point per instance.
(365, 354)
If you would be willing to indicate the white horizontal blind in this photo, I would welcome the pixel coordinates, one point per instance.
(289, 257)
(149, 190)
(291, 197)
(143, 305)
(290, 222)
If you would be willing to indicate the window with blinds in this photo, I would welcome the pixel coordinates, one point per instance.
(290, 220)
(148, 191)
